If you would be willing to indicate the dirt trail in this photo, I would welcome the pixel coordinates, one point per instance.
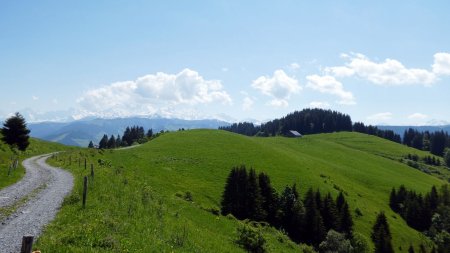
(44, 188)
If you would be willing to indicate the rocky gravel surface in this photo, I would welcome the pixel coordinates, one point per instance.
(45, 187)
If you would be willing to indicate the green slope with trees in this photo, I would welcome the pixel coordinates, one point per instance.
(165, 195)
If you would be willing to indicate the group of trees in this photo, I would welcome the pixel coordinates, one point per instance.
(373, 130)
(134, 134)
(244, 128)
(429, 213)
(435, 142)
(430, 160)
(251, 196)
(307, 121)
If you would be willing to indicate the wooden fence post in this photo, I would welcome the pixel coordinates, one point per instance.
(92, 171)
(84, 163)
(85, 185)
(27, 244)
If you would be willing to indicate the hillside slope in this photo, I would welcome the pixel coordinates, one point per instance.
(198, 161)
(36, 147)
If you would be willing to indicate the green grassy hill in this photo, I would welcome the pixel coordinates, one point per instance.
(36, 147)
(135, 201)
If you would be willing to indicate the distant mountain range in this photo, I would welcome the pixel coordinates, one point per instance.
(80, 132)
(401, 129)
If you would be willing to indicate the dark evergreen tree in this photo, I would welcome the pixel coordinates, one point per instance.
(447, 157)
(150, 133)
(270, 199)
(433, 200)
(313, 223)
(126, 138)
(232, 198)
(119, 141)
(340, 200)
(254, 200)
(381, 235)
(393, 203)
(242, 212)
(318, 197)
(91, 145)
(111, 142)
(103, 142)
(292, 212)
(15, 132)
(346, 221)
(329, 212)
(438, 142)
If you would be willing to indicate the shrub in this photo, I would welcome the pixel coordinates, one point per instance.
(188, 196)
(250, 237)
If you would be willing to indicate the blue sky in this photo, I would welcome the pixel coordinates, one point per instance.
(380, 61)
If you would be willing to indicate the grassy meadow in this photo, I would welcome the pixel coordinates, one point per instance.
(138, 198)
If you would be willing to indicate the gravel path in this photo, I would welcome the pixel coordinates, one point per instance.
(38, 211)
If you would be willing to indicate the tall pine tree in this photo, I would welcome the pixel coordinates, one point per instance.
(254, 199)
(315, 230)
(381, 235)
(270, 199)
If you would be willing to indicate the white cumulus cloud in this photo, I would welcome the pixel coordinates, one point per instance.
(279, 86)
(441, 64)
(389, 71)
(154, 93)
(329, 84)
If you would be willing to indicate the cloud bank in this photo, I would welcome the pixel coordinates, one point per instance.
(155, 93)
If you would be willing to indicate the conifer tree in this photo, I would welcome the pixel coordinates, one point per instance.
(232, 200)
(381, 235)
(15, 132)
(292, 212)
(393, 200)
(91, 145)
(270, 199)
(242, 176)
(119, 141)
(111, 142)
(150, 133)
(346, 222)
(103, 142)
(330, 214)
(314, 228)
(447, 157)
(254, 199)
(340, 200)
